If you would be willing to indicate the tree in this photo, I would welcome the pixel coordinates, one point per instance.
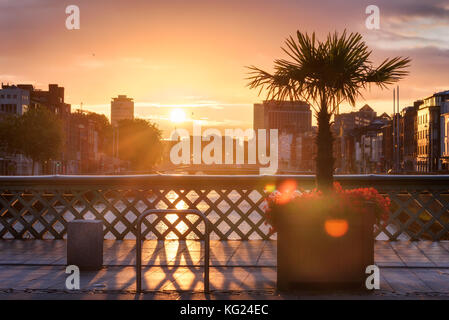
(325, 74)
(8, 138)
(37, 134)
(139, 143)
(102, 126)
(104, 129)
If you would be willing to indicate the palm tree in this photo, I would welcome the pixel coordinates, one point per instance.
(325, 74)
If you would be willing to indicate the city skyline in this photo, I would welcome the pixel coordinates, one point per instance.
(190, 61)
(250, 151)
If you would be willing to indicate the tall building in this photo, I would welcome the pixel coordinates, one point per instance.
(289, 116)
(387, 146)
(293, 120)
(13, 100)
(444, 130)
(344, 125)
(367, 145)
(445, 142)
(407, 137)
(427, 138)
(430, 132)
(122, 108)
(351, 120)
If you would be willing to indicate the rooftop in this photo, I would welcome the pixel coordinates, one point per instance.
(122, 97)
(366, 108)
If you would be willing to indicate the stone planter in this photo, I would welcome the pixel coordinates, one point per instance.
(309, 258)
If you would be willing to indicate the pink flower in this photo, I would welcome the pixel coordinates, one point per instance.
(339, 203)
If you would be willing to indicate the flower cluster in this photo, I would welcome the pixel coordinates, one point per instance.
(337, 204)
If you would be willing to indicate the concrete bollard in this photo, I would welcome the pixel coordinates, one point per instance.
(85, 244)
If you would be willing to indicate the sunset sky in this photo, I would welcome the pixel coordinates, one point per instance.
(191, 55)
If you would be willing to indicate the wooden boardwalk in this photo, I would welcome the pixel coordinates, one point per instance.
(407, 268)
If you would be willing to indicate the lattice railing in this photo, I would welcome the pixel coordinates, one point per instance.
(40, 207)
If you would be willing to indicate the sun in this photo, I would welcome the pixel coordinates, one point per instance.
(177, 115)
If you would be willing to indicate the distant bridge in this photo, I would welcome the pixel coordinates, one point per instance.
(220, 170)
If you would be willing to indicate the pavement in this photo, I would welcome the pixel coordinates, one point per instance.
(172, 270)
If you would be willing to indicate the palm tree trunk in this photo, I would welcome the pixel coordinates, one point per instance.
(324, 158)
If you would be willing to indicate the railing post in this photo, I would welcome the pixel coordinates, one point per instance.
(206, 238)
(139, 256)
(206, 254)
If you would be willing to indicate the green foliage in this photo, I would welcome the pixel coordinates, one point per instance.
(102, 126)
(139, 143)
(37, 134)
(8, 137)
(324, 74)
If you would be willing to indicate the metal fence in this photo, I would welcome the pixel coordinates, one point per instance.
(39, 207)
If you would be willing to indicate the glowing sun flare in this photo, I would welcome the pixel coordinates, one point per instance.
(177, 115)
(336, 227)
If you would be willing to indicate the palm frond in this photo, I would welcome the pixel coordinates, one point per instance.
(325, 73)
(389, 71)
